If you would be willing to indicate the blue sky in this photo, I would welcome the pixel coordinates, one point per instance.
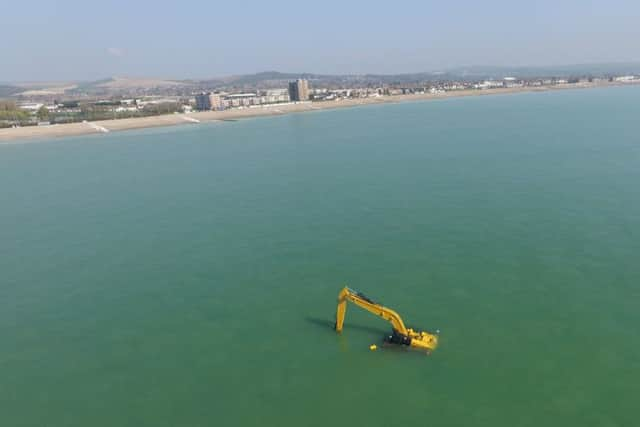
(71, 39)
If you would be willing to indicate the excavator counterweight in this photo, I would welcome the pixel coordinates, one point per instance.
(402, 335)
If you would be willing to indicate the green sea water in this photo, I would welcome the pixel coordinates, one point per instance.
(188, 276)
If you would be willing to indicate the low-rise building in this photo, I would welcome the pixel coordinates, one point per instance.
(625, 78)
(31, 106)
(273, 96)
(243, 99)
(489, 84)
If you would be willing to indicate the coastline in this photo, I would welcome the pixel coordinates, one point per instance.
(24, 134)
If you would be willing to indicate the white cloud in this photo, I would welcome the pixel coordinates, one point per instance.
(115, 51)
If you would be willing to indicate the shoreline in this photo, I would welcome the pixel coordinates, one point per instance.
(24, 134)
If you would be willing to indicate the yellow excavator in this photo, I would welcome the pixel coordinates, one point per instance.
(402, 335)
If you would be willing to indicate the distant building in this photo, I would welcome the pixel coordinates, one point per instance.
(625, 78)
(203, 102)
(243, 99)
(276, 95)
(216, 101)
(206, 101)
(31, 106)
(299, 90)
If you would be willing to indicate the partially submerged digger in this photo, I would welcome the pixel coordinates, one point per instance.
(401, 335)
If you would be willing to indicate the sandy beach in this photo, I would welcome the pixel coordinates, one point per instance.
(85, 128)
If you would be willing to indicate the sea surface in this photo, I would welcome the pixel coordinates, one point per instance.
(188, 276)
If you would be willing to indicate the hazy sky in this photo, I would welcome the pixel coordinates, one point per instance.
(72, 39)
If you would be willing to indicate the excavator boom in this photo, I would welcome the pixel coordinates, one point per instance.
(401, 334)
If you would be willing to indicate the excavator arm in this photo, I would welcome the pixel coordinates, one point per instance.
(400, 333)
(363, 301)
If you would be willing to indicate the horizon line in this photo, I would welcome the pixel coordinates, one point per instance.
(227, 76)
